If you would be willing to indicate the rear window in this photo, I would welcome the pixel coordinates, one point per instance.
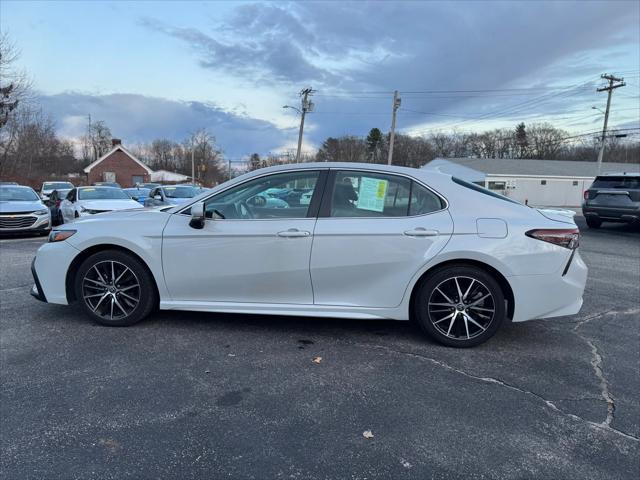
(617, 182)
(478, 188)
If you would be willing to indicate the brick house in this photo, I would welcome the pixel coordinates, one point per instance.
(118, 165)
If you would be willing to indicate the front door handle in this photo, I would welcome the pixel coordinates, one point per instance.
(293, 232)
(421, 232)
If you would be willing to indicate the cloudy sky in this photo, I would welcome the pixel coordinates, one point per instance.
(164, 69)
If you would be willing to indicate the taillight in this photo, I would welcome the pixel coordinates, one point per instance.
(586, 194)
(567, 238)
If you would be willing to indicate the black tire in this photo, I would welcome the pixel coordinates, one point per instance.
(432, 298)
(117, 295)
(593, 222)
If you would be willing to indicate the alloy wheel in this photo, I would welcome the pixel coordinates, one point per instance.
(461, 308)
(111, 290)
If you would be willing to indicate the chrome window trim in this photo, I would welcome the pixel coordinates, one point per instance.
(299, 169)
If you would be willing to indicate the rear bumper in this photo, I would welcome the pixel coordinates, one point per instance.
(550, 295)
(612, 214)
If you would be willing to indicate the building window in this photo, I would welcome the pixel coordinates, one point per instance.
(575, 183)
(543, 182)
(497, 186)
(136, 179)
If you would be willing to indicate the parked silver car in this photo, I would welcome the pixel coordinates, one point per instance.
(22, 211)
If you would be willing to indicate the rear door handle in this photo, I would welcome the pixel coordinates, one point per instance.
(294, 232)
(421, 232)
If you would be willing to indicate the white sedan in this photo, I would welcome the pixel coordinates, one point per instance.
(374, 242)
(83, 201)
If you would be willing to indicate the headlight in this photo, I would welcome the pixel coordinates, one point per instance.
(42, 212)
(87, 211)
(60, 235)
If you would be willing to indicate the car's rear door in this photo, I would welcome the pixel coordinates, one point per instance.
(255, 254)
(374, 232)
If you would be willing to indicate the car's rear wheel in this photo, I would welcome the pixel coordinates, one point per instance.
(115, 288)
(460, 306)
(593, 222)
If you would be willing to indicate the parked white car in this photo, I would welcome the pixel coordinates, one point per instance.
(22, 211)
(388, 242)
(48, 187)
(84, 201)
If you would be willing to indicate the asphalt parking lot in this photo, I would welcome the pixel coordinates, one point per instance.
(187, 395)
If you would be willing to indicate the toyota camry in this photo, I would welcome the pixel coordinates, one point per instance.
(374, 241)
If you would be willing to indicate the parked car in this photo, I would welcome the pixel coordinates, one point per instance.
(53, 202)
(8, 183)
(388, 242)
(171, 195)
(85, 201)
(613, 197)
(22, 211)
(139, 194)
(148, 185)
(48, 187)
(107, 184)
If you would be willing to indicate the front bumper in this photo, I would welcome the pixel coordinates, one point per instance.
(49, 269)
(36, 290)
(41, 224)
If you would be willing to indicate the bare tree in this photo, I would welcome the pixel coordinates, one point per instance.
(15, 86)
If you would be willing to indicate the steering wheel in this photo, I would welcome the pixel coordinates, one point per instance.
(245, 211)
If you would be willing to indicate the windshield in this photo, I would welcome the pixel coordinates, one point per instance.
(17, 194)
(56, 185)
(138, 192)
(105, 193)
(617, 182)
(183, 191)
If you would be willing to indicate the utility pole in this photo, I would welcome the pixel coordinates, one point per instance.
(396, 105)
(609, 89)
(306, 106)
(193, 163)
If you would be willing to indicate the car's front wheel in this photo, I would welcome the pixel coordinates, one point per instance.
(115, 288)
(460, 306)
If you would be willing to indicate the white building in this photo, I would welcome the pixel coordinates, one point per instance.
(551, 183)
(163, 176)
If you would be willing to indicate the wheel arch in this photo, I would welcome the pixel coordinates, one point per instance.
(86, 253)
(495, 273)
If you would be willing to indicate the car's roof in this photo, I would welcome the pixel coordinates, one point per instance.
(99, 186)
(16, 186)
(619, 174)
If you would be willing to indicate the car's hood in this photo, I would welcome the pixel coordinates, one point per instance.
(109, 204)
(11, 207)
(558, 215)
(118, 215)
(177, 200)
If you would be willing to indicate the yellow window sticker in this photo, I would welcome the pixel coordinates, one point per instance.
(371, 194)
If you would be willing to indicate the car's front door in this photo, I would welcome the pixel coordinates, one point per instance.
(249, 251)
(374, 232)
(66, 206)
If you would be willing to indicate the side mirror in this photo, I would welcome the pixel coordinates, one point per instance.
(197, 215)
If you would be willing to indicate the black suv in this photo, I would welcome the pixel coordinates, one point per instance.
(613, 197)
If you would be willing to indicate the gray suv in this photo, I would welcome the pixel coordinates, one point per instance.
(613, 197)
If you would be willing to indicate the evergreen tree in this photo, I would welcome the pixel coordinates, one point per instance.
(375, 142)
